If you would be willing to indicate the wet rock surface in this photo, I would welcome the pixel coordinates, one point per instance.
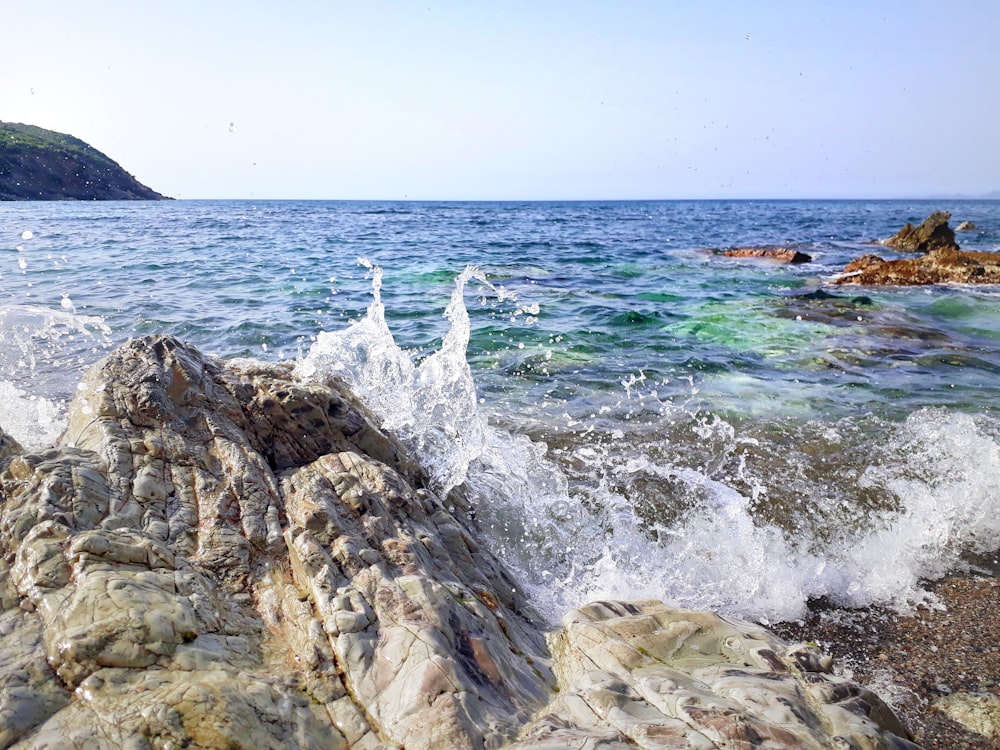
(217, 555)
(942, 266)
(938, 667)
(776, 254)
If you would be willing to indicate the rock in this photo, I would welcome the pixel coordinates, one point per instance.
(8, 445)
(643, 674)
(941, 266)
(966, 226)
(932, 234)
(217, 555)
(779, 254)
(977, 713)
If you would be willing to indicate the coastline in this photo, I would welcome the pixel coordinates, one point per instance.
(916, 661)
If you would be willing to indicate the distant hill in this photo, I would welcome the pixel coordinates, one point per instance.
(42, 165)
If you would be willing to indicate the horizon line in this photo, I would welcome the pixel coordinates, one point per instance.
(985, 197)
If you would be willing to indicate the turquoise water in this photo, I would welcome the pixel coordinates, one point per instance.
(630, 413)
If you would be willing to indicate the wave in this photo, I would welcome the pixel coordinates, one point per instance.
(43, 352)
(584, 535)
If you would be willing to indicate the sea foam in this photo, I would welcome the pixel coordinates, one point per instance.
(579, 541)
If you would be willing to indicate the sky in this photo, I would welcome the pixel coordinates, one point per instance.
(557, 100)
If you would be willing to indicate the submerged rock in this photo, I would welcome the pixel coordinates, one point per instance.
(779, 254)
(932, 234)
(217, 555)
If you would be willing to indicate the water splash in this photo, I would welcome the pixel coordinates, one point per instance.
(575, 541)
(43, 352)
(35, 422)
(431, 407)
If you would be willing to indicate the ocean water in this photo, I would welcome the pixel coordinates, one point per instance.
(626, 413)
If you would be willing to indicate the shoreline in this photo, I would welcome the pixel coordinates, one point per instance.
(916, 661)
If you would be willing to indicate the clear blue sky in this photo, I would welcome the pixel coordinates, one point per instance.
(518, 100)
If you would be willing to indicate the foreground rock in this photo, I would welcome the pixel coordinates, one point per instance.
(215, 555)
(932, 234)
(778, 254)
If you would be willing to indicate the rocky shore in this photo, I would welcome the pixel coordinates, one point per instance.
(938, 667)
(215, 554)
(939, 259)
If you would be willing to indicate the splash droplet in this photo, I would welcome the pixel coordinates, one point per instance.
(27, 234)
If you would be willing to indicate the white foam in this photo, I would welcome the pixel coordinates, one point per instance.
(45, 350)
(573, 544)
(33, 421)
(432, 407)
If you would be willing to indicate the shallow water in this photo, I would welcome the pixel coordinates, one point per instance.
(629, 414)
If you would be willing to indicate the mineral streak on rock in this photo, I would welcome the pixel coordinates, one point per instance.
(779, 254)
(217, 555)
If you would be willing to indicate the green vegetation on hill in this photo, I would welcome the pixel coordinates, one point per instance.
(40, 164)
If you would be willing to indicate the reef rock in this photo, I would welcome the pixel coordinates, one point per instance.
(942, 266)
(218, 555)
(966, 226)
(932, 234)
(779, 254)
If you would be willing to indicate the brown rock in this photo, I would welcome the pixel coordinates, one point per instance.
(779, 254)
(966, 226)
(933, 233)
(942, 266)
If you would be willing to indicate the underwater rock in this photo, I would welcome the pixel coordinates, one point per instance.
(217, 555)
(966, 226)
(933, 233)
(940, 266)
(779, 254)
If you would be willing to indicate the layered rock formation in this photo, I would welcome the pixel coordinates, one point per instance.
(216, 555)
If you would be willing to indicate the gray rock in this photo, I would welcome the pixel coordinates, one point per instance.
(215, 555)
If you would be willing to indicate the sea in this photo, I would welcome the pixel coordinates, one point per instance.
(623, 411)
